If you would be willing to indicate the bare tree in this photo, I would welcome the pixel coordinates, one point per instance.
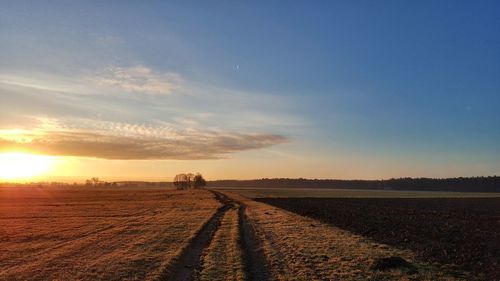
(93, 181)
(189, 180)
(199, 181)
(181, 181)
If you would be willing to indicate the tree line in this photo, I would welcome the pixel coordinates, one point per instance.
(462, 184)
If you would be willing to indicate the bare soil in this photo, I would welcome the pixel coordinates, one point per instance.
(464, 232)
(254, 259)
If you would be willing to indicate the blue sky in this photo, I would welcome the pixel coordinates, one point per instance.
(330, 89)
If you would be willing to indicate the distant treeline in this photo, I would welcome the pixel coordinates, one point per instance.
(462, 184)
(144, 183)
(94, 182)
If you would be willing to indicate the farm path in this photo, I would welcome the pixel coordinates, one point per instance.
(187, 264)
(190, 262)
(254, 259)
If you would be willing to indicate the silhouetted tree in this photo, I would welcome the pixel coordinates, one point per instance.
(93, 182)
(189, 180)
(199, 181)
(181, 181)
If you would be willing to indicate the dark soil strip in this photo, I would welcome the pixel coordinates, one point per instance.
(254, 261)
(460, 231)
(186, 266)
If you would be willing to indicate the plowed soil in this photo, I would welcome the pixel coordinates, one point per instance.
(463, 232)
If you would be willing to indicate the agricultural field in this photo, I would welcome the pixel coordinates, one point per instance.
(96, 234)
(301, 248)
(463, 232)
(249, 140)
(348, 193)
(83, 233)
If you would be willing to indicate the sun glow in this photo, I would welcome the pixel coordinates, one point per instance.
(24, 166)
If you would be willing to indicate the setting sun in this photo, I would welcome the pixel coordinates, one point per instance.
(21, 166)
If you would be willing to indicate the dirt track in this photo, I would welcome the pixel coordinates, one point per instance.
(254, 259)
(189, 263)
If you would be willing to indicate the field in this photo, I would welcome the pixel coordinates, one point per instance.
(348, 193)
(87, 233)
(464, 232)
(82, 233)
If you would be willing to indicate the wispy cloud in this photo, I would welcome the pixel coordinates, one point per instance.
(136, 79)
(112, 93)
(139, 79)
(115, 140)
(45, 82)
(137, 112)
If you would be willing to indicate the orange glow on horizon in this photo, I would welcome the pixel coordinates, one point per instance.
(24, 166)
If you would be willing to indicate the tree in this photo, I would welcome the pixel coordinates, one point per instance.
(181, 181)
(189, 180)
(93, 181)
(199, 181)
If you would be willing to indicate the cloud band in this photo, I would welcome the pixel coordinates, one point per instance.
(190, 146)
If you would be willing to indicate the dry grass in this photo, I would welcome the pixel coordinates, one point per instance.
(222, 260)
(138, 234)
(96, 234)
(300, 248)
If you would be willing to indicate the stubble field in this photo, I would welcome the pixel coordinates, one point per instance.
(158, 234)
(96, 234)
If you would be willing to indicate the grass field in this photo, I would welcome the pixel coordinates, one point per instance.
(89, 234)
(347, 193)
(82, 233)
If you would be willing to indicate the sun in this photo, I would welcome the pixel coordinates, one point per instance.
(23, 166)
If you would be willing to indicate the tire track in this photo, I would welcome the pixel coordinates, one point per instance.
(188, 263)
(254, 262)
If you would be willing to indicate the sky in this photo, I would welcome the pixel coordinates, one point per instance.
(144, 90)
